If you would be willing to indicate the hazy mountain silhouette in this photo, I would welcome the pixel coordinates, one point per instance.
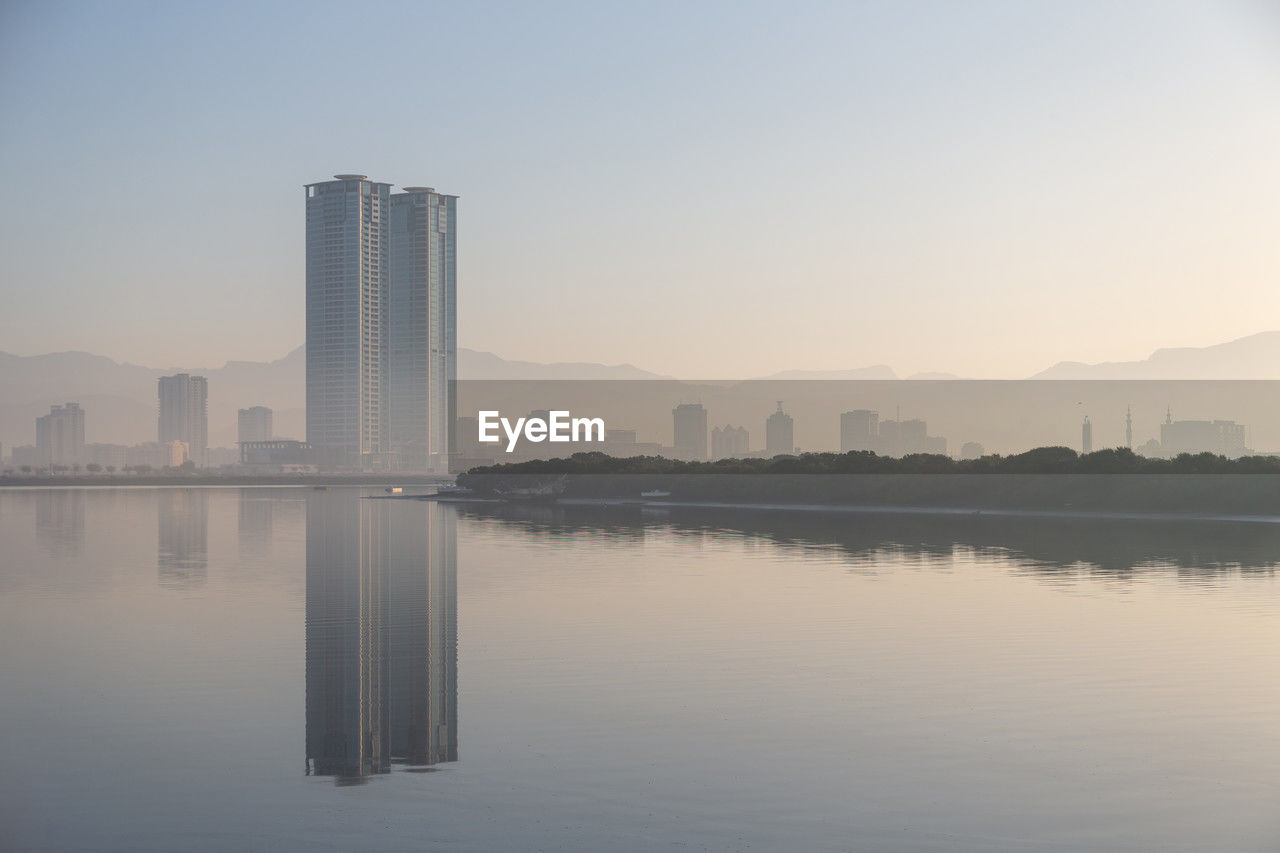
(475, 364)
(875, 371)
(1254, 357)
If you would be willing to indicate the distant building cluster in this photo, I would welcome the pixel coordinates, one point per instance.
(862, 429)
(1219, 437)
(728, 442)
(182, 429)
(1223, 438)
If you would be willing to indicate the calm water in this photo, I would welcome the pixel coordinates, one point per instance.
(275, 669)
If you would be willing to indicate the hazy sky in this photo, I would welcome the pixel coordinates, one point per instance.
(701, 189)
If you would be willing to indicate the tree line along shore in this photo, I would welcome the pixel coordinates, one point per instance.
(1041, 460)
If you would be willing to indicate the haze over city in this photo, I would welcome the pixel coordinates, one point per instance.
(715, 190)
(578, 426)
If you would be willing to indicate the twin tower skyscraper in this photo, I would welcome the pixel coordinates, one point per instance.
(381, 325)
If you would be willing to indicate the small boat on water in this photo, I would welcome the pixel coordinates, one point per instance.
(450, 489)
(655, 493)
(395, 490)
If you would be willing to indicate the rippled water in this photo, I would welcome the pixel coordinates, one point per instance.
(281, 669)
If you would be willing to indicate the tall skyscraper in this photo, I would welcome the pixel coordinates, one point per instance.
(690, 431)
(1086, 436)
(254, 424)
(184, 414)
(346, 271)
(779, 434)
(423, 325)
(60, 435)
(381, 323)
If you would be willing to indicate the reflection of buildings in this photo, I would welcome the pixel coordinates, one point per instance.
(381, 635)
(256, 520)
(60, 521)
(182, 558)
(1052, 546)
(423, 636)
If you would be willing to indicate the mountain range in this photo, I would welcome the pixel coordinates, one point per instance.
(120, 399)
(1254, 357)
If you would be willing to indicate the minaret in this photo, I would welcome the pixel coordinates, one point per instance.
(1086, 435)
(1128, 427)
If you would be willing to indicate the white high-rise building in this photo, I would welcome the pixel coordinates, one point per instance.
(381, 324)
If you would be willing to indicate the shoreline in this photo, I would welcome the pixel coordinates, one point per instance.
(858, 509)
(230, 480)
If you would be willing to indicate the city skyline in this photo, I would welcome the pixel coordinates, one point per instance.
(1139, 182)
(834, 426)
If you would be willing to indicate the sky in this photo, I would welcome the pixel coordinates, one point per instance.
(700, 189)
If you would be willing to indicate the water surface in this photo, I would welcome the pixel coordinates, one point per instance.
(279, 669)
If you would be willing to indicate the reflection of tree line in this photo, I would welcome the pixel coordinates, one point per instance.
(1112, 546)
(381, 635)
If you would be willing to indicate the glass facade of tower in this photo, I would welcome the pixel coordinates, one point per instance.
(381, 320)
(347, 249)
(422, 328)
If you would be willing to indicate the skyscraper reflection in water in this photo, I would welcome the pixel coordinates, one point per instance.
(60, 521)
(381, 635)
(182, 551)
